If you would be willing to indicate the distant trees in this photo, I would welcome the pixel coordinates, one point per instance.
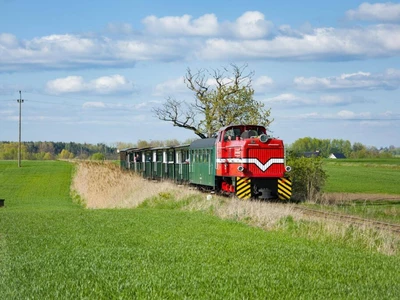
(62, 150)
(9, 151)
(54, 150)
(65, 154)
(221, 97)
(327, 146)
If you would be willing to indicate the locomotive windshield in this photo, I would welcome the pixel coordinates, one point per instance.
(242, 132)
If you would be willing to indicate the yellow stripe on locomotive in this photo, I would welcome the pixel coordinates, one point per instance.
(284, 188)
(243, 188)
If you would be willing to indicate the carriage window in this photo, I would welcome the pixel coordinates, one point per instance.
(159, 156)
(196, 156)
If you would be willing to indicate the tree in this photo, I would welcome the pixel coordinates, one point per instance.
(226, 98)
(65, 154)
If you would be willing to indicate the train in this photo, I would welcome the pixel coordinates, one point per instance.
(240, 160)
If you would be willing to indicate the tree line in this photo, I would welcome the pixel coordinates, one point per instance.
(327, 146)
(56, 150)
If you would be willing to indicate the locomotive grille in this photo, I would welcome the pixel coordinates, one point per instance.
(272, 159)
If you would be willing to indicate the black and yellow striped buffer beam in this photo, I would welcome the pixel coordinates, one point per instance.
(243, 188)
(284, 188)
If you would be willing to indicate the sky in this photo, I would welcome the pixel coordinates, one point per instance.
(93, 71)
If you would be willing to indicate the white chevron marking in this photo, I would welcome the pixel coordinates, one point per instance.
(262, 167)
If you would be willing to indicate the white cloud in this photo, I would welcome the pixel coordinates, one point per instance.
(170, 87)
(388, 80)
(206, 25)
(321, 44)
(6, 112)
(65, 43)
(288, 100)
(180, 38)
(291, 100)
(120, 28)
(70, 84)
(102, 85)
(340, 115)
(262, 83)
(346, 114)
(252, 25)
(335, 100)
(8, 40)
(142, 50)
(93, 105)
(386, 12)
(110, 84)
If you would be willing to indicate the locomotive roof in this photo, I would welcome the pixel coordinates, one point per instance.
(203, 143)
(240, 125)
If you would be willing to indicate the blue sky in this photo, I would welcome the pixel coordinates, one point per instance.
(91, 71)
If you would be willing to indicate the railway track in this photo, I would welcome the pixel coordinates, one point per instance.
(394, 228)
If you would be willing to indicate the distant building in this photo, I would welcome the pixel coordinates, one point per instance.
(337, 156)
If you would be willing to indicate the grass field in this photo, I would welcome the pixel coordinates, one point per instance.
(373, 185)
(363, 176)
(51, 248)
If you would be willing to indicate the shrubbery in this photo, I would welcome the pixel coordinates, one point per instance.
(98, 156)
(308, 177)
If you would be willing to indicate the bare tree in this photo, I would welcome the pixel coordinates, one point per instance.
(221, 97)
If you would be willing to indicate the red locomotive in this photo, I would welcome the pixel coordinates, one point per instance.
(250, 163)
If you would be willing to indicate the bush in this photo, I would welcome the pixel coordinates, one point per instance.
(308, 177)
(98, 156)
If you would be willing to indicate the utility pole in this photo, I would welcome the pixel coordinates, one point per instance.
(20, 101)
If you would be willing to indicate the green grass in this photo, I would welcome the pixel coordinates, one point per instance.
(363, 176)
(36, 185)
(51, 248)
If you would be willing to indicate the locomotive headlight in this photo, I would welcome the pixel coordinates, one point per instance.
(240, 168)
(264, 138)
(288, 168)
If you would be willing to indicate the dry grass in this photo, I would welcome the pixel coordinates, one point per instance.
(382, 241)
(103, 185)
(256, 213)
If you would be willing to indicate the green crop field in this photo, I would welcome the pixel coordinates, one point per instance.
(363, 176)
(51, 248)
